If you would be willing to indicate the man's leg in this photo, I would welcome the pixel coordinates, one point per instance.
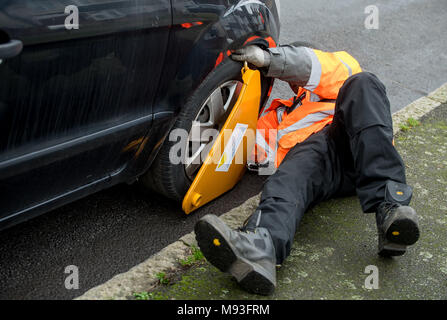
(363, 131)
(310, 173)
(363, 119)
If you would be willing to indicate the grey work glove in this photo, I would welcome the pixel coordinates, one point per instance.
(254, 55)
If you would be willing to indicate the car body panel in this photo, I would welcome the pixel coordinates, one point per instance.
(75, 99)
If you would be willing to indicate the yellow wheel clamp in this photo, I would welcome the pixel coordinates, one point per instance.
(225, 164)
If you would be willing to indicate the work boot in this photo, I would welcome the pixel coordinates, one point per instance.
(249, 256)
(397, 223)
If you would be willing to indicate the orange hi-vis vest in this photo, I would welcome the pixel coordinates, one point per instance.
(279, 130)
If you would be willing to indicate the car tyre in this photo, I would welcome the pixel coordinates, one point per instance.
(172, 180)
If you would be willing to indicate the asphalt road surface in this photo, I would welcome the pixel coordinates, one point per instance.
(111, 231)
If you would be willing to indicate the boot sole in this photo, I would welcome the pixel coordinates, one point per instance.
(217, 249)
(404, 230)
(392, 250)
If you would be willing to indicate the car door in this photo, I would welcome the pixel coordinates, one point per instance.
(74, 102)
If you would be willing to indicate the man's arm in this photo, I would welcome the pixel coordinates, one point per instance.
(323, 73)
(290, 64)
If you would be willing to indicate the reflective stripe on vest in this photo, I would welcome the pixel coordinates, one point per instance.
(329, 71)
(315, 76)
(280, 113)
(305, 122)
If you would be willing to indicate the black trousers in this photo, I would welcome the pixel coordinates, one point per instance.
(354, 155)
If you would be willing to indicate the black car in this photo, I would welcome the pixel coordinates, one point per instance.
(86, 107)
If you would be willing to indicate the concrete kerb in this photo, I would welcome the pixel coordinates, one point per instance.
(143, 276)
(420, 107)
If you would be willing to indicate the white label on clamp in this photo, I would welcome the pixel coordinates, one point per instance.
(232, 147)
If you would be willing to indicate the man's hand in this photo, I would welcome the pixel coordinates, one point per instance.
(254, 55)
